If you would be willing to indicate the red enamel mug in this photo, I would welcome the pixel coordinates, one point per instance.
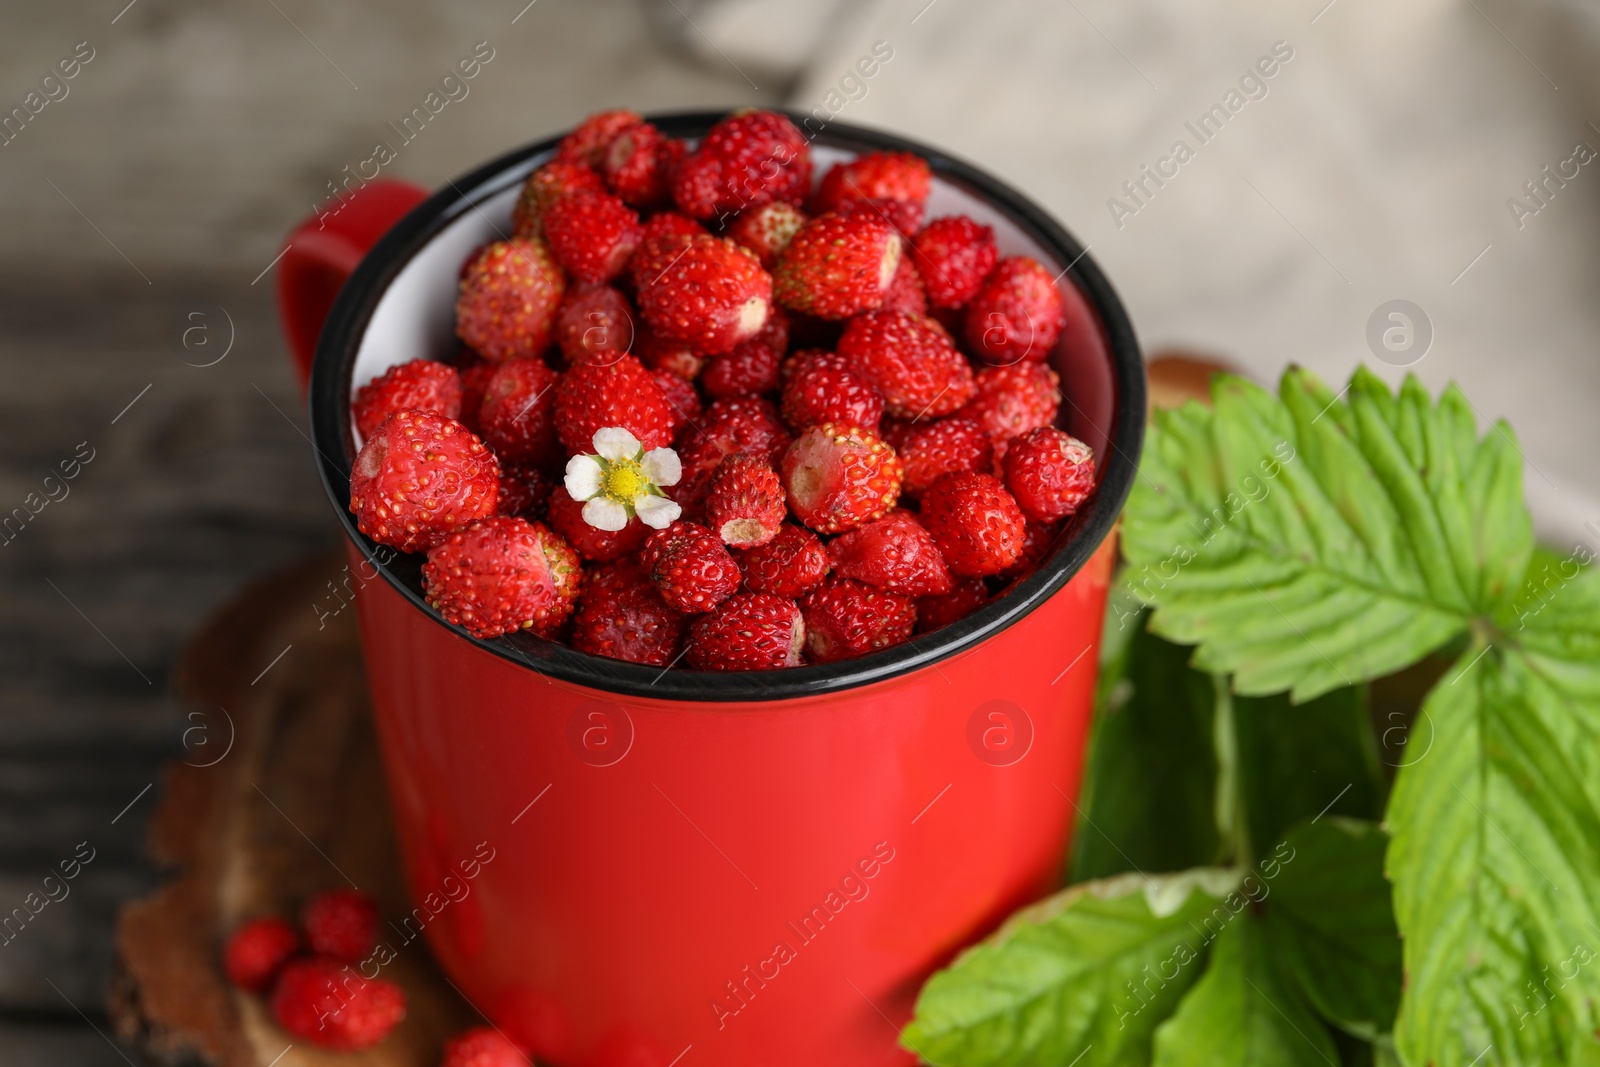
(627, 867)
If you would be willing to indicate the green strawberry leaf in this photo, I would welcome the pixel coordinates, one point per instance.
(1150, 775)
(1331, 923)
(1495, 856)
(1082, 978)
(1244, 1013)
(1307, 542)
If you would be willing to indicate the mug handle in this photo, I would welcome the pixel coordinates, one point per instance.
(322, 252)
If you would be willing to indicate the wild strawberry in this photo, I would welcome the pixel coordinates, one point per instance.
(748, 159)
(329, 1004)
(745, 506)
(1017, 315)
(544, 187)
(593, 235)
(975, 523)
(846, 618)
(418, 477)
(257, 950)
(482, 1046)
(588, 141)
(875, 176)
(660, 354)
(966, 595)
(896, 432)
(420, 385)
(748, 632)
(524, 491)
(752, 367)
(911, 361)
(954, 255)
(1050, 473)
(767, 230)
(1014, 399)
(837, 266)
(622, 616)
(738, 424)
(792, 563)
(840, 477)
(904, 216)
(639, 163)
(622, 394)
(594, 325)
(906, 291)
(590, 542)
(934, 449)
(518, 412)
(341, 924)
(690, 566)
(509, 298)
(894, 553)
(681, 398)
(661, 239)
(1037, 541)
(712, 295)
(821, 387)
(501, 575)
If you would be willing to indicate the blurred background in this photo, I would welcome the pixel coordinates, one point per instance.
(1433, 160)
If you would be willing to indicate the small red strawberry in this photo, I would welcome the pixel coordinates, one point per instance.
(330, 1005)
(681, 398)
(594, 325)
(896, 432)
(622, 616)
(420, 385)
(966, 595)
(475, 374)
(1014, 399)
(880, 175)
(661, 240)
(660, 354)
(1017, 315)
(736, 424)
(846, 618)
(748, 159)
(954, 255)
(524, 491)
(482, 1046)
(622, 394)
(509, 298)
(752, 367)
(767, 230)
(341, 924)
(911, 361)
(588, 141)
(1037, 541)
(418, 477)
(745, 506)
(905, 216)
(690, 566)
(934, 449)
(906, 291)
(840, 477)
(639, 163)
(838, 266)
(821, 387)
(748, 632)
(544, 187)
(257, 950)
(711, 295)
(501, 575)
(593, 543)
(893, 553)
(792, 563)
(975, 523)
(1050, 473)
(593, 235)
(518, 412)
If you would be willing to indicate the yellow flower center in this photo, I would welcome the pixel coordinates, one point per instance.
(623, 480)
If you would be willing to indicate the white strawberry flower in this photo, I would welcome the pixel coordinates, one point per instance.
(622, 480)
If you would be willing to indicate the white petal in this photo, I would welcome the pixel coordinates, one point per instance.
(662, 466)
(656, 511)
(583, 477)
(613, 442)
(603, 513)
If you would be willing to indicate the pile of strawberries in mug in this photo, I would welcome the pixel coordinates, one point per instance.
(704, 411)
